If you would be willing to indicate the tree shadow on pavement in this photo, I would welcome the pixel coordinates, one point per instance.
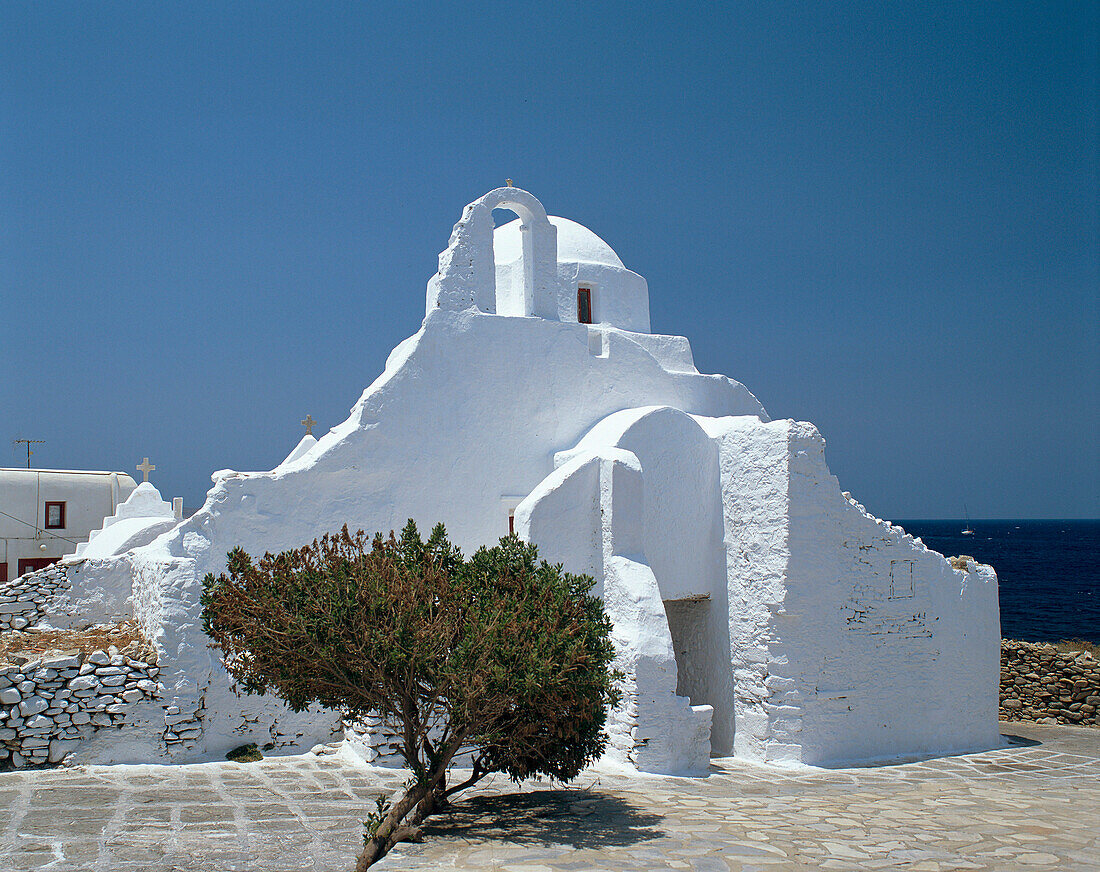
(580, 818)
(1014, 741)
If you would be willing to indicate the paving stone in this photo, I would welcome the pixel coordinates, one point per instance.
(1030, 805)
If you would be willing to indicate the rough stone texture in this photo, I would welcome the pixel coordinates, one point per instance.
(64, 596)
(1041, 683)
(24, 600)
(54, 704)
(1031, 805)
(376, 743)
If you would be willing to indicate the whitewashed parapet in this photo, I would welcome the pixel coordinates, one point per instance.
(67, 596)
(26, 599)
(48, 706)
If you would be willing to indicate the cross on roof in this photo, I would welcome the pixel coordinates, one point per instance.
(145, 467)
(308, 423)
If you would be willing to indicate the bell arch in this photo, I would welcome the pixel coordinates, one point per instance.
(467, 268)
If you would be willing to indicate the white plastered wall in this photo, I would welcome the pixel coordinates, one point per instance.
(477, 408)
(850, 640)
(392, 460)
(682, 539)
(831, 636)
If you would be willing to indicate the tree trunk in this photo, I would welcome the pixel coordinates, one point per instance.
(425, 807)
(475, 776)
(386, 836)
(378, 845)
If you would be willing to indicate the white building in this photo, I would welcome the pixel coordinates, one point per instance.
(758, 610)
(48, 512)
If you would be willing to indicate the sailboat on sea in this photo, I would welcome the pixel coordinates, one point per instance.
(967, 531)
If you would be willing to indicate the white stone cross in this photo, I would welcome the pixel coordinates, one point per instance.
(308, 423)
(145, 467)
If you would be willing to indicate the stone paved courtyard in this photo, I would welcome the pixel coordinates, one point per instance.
(1033, 805)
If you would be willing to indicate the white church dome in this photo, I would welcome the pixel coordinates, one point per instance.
(576, 244)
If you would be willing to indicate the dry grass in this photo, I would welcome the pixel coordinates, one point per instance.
(1078, 645)
(125, 636)
(1066, 645)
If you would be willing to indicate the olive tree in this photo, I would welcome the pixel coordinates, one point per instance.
(500, 656)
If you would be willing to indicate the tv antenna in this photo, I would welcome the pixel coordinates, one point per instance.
(29, 443)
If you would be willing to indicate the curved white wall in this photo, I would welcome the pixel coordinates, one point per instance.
(620, 297)
(681, 540)
(601, 492)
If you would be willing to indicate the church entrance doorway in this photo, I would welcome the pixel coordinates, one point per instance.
(687, 624)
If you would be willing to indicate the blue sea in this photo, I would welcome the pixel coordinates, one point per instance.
(1049, 572)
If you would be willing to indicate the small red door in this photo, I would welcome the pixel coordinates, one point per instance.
(3, 571)
(33, 564)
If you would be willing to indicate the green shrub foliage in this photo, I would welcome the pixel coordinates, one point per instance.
(245, 754)
(501, 654)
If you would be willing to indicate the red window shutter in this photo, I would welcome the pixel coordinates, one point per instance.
(584, 305)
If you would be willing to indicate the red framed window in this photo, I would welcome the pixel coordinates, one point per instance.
(55, 516)
(511, 523)
(584, 305)
(3, 571)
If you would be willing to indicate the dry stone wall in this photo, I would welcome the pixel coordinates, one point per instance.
(49, 705)
(24, 600)
(1040, 683)
(63, 596)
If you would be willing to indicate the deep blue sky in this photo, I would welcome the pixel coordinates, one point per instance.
(882, 218)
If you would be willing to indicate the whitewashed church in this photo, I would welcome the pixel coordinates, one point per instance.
(759, 611)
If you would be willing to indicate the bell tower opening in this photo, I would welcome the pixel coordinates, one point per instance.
(522, 281)
(515, 280)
